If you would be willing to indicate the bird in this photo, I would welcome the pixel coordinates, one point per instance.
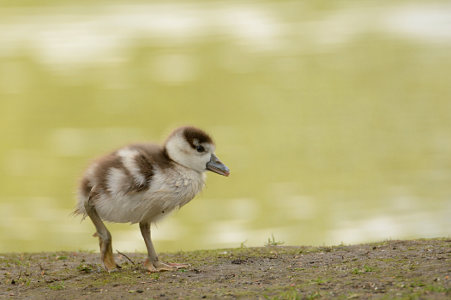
(141, 183)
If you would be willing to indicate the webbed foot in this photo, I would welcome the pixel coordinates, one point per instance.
(159, 266)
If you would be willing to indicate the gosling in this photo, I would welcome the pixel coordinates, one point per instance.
(141, 183)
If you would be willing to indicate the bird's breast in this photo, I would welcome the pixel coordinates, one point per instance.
(169, 190)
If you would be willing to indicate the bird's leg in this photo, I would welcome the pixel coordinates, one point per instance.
(105, 242)
(152, 263)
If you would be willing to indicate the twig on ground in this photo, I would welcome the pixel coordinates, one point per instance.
(126, 256)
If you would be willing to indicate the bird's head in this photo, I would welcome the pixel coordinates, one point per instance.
(194, 149)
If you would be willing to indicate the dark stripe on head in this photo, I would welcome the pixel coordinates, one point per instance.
(192, 134)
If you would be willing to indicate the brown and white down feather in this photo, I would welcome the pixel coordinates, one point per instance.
(138, 183)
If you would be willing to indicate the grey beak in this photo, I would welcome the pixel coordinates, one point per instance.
(215, 165)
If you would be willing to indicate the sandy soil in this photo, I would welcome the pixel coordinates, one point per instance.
(417, 269)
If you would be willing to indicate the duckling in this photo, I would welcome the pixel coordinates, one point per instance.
(141, 183)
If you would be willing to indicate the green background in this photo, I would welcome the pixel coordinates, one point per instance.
(333, 116)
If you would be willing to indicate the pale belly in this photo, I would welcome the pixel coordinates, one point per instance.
(137, 208)
(151, 205)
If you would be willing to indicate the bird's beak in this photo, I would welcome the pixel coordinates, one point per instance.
(215, 165)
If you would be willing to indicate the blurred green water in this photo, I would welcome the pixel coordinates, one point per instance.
(334, 117)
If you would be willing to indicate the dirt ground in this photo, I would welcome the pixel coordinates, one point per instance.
(417, 269)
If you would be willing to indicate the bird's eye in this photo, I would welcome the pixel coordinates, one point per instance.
(200, 148)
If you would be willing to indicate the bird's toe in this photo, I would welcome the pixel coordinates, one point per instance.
(179, 266)
(159, 266)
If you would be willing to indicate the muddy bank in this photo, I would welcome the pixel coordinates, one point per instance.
(391, 269)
